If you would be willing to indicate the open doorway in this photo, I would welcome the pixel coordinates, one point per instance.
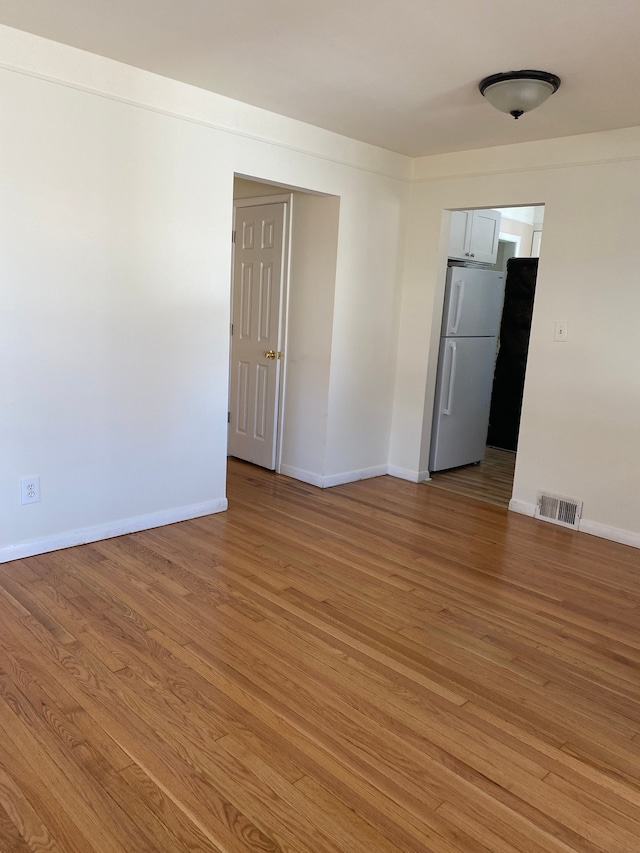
(277, 390)
(259, 279)
(479, 395)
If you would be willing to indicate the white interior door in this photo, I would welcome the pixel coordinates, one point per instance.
(256, 332)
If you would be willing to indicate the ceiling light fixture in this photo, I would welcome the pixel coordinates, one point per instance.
(517, 92)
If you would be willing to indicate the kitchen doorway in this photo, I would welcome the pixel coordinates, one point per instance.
(490, 481)
(490, 478)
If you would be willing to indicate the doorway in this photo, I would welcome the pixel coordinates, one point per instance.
(490, 478)
(306, 323)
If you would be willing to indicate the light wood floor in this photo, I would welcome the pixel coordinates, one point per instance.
(374, 667)
(491, 480)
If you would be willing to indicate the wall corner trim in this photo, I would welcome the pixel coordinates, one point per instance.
(84, 535)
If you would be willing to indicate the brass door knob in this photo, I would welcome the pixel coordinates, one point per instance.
(271, 353)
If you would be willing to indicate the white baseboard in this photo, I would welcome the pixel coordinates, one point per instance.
(107, 531)
(625, 537)
(408, 474)
(333, 479)
(593, 528)
(302, 475)
(522, 507)
(353, 476)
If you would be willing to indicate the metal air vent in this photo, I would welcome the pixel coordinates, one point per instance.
(559, 510)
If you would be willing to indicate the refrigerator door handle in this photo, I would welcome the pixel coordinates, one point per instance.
(460, 294)
(452, 379)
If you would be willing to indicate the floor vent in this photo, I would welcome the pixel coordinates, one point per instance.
(559, 510)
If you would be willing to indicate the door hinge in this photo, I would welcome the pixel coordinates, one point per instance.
(233, 236)
(228, 417)
(231, 329)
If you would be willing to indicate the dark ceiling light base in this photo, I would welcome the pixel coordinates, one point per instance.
(517, 92)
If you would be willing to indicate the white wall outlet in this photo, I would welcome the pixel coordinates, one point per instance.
(561, 331)
(30, 490)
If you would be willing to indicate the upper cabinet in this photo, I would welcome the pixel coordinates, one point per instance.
(474, 235)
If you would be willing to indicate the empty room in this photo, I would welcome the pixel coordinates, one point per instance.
(320, 518)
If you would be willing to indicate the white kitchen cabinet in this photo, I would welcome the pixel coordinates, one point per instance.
(460, 233)
(474, 235)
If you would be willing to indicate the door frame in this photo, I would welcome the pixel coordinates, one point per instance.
(287, 200)
(511, 238)
(438, 309)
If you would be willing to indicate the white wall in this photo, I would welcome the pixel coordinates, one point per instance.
(581, 410)
(368, 291)
(314, 249)
(114, 294)
(519, 214)
(518, 229)
(245, 188)
(114, 299)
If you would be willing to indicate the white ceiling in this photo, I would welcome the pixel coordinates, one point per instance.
(401, 74)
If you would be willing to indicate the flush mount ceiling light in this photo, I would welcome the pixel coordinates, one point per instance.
(517, 92)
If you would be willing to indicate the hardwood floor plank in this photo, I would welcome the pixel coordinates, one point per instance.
(499, 835)
(164, 820)
(564, 764)
(433, 782)
(211, 813)
(21, 826)
(380, 666)
(342, 822)
(325, 762)
(491, 480)
(63, 810)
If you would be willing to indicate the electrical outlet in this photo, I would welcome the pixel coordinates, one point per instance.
(30, 490)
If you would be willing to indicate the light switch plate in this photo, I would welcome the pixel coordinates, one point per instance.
(561, 331)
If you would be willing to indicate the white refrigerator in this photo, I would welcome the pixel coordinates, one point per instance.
(468, 345)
